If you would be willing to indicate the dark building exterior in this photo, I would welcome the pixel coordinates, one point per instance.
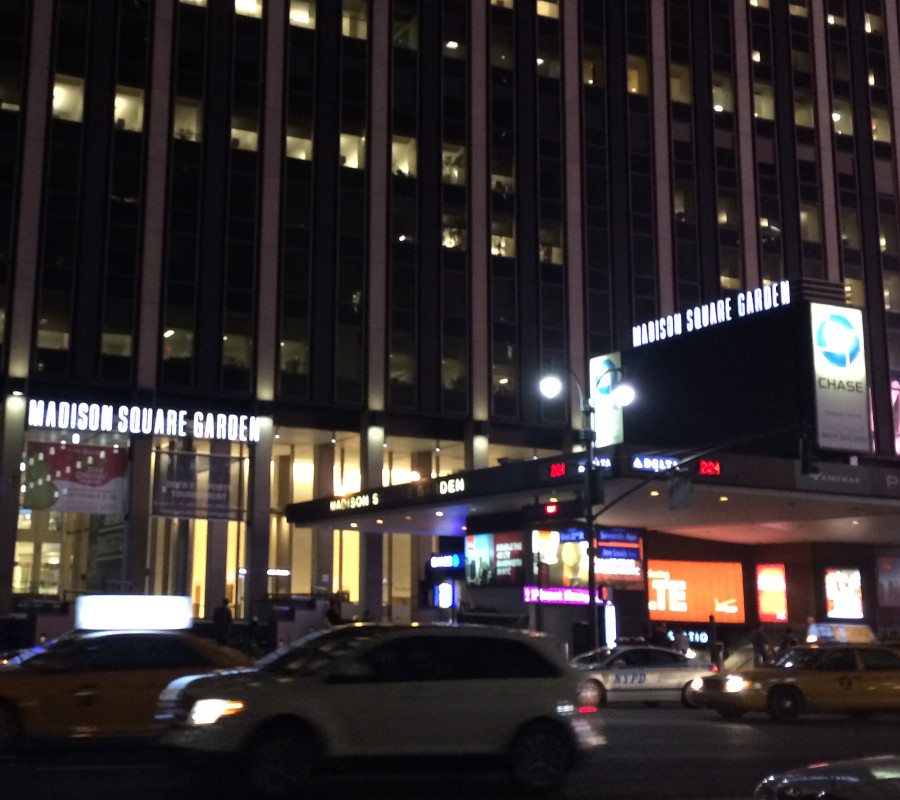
(258, 252)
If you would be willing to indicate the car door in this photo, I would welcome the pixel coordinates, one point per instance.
(130, 670)
(50, 692)
(382, 701)
(627, 676)
(834, 682)
(665, 674)
(879, 683)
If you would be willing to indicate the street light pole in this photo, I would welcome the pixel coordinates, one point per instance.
(587, 411)
(623, 395)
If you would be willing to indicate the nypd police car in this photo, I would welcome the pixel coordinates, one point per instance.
(643, 674)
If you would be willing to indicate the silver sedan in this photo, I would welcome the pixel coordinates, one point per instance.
(643, 674)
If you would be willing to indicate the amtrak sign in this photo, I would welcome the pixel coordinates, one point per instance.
(134, 420)
(841, 387)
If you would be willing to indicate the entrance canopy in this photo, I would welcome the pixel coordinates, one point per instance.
(737, 498)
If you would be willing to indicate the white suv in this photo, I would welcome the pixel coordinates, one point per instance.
(371, 690)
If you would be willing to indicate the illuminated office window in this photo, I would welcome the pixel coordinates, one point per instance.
(244, 139)
(303, 13)
(502, 3)
(403, 156)
(723, 93)
(248, 8)
(797, 8)
(548, 8)
(550, 245)
(881, 124)
(637, 75)
(354, 19)
(186, 120)
(810, 224)
(680, 83)
(763, 101)
(298, 147)
(804, 113)
(842, 117)
(874, 24)
(129, 108)
(503, 242)
(453, 164)
(759, 3)
(68, 98)
(353, 151)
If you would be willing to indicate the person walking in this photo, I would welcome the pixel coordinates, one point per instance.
(760, 644)
(788, 640)
(221, 622)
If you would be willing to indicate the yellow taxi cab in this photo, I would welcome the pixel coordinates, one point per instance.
(849, 677)
(101, 683)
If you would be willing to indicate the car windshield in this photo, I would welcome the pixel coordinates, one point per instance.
(319, 650)
(804, 658)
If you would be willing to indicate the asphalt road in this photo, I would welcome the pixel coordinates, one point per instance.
(667, 753)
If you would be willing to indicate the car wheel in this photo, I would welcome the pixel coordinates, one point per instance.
(687, 697)
(541, 758)
(279, 762)
(10, 726)
(601, 694)
(785, 703)
(731, 713)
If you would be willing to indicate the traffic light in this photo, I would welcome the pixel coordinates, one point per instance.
(555, 515)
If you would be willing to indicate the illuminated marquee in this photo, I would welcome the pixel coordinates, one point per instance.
(134, 420)
(692, 591)
(715, 312)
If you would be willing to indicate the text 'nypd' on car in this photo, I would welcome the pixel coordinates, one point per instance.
(643, 674)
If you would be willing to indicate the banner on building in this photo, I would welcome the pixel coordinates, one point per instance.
(841, 390)
(190, 485)
(74, 477)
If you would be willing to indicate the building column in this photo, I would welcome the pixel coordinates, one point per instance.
(137, 520)
(478, 181)
(371, 545)
(21, 305)
(323, 538)
(13, 447)
(216, 578)
(259, 502)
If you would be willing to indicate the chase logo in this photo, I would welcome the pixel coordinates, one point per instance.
(606, 380)
(838, 341)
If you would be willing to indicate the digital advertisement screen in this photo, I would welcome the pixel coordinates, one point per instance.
(771, 593)
(494, 559)
(889, 581)
(843, 594)
(692, 591)
(564, 558)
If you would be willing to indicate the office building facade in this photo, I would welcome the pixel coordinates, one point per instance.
(261, 251)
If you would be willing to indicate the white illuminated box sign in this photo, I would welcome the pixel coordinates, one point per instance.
(106, 612)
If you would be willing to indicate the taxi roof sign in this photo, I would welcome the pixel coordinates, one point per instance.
(104, 612)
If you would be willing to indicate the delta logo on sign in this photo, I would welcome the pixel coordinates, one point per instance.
(841, 385)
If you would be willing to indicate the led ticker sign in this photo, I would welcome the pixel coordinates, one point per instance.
(561, 595)
(710, 467)
(558, 470)
(692, 591)
(771, 593)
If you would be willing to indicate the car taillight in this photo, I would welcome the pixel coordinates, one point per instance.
(713, 668)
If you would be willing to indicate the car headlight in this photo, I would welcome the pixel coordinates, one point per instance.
(735, 683)
(697, 684)
(206, 712)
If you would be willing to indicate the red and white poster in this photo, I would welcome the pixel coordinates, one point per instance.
(74, 477)
(771, 593)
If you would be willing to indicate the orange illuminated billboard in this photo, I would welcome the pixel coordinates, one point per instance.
(771, 593)
(692, 591)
